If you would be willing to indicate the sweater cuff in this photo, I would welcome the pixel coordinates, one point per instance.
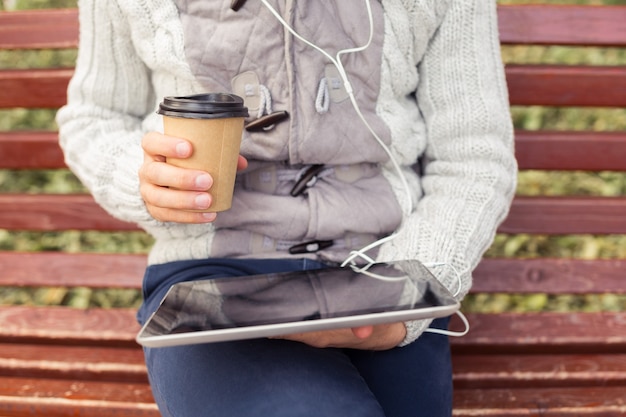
(414, 329)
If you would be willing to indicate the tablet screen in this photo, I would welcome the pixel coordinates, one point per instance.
(300, 298)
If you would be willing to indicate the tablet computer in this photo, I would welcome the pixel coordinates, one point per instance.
(235, 308)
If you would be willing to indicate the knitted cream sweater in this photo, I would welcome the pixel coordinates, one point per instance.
(132, 53)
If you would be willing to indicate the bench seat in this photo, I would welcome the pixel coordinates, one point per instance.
(521, 360)
(62, 361)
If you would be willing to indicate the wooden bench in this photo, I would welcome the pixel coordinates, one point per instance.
(62, 361)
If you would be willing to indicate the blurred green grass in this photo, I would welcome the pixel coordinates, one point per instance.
(530, 183)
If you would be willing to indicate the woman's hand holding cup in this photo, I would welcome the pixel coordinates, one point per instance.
(198, 153)
(172, 193)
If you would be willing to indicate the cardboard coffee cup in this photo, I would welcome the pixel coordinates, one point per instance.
(213, 123)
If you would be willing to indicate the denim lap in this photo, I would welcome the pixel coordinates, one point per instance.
(270, 377)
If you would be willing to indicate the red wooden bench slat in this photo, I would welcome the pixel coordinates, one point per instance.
(588, 151)
(471, 370)
(527, 333)
(56, 406)
(547, 150)
(528, 85)
(566, 215)
(562, 25)
(53, 268)
(35, 29)
(556, 370)
(550, 276)
(559, 25)
(543, 215)
(34, 88)
(91, 363)
(545, 402)
(53, 212)
(542, 24)
(68, 326)
(544, 332)
(52, 398)
(560, 85)
(493, 275)
(30, 150)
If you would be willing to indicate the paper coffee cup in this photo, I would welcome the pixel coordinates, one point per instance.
(213, 123)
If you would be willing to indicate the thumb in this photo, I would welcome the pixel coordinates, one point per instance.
(363, 332)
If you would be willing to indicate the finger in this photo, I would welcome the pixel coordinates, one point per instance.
(242, 163)
(158, 145)
(167, 175)
(324, 338)
(169, 205)
(169, 198)
(180, 216)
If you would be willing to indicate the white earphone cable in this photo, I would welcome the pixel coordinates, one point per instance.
(456, 293)
(450, 332)
(336, 61)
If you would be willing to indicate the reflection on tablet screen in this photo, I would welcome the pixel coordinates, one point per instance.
(237, 302)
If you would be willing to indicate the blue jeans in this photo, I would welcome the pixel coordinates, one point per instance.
(270, 377)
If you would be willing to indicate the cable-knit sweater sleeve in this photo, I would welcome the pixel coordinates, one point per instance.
(100, 128)
(469, 168)
(126, 48)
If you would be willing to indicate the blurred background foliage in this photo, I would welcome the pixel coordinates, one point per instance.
(530, 183)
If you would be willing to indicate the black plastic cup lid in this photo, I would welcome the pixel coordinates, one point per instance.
(204, 106)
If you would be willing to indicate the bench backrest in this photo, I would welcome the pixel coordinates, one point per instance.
(572, 86)
(529, 85)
